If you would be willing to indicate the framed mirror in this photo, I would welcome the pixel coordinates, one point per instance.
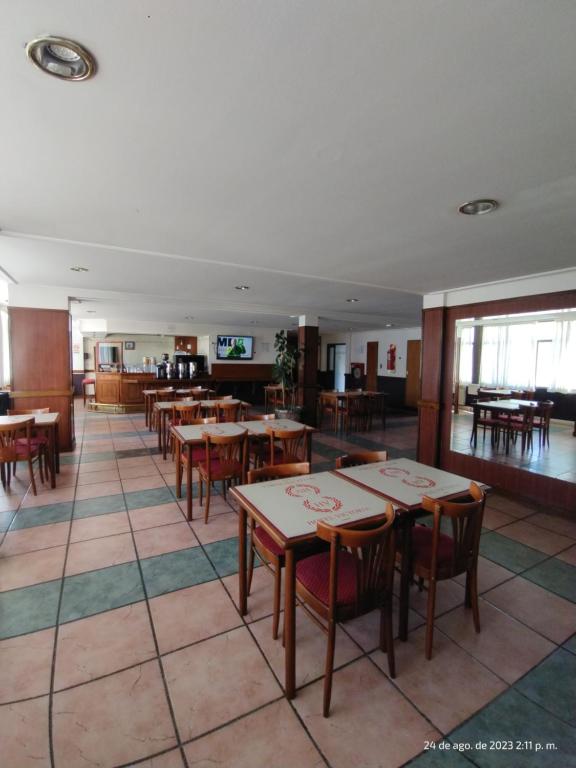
(109, 356)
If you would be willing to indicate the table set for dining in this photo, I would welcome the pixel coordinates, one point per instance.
(352, 408)
(47, 424)
(507, 416)
(289, 509)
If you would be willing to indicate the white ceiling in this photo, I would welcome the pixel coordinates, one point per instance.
(267, 142)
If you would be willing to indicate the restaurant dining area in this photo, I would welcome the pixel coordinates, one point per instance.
(287, 384)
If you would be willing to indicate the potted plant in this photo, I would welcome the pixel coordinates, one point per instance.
(284, 370)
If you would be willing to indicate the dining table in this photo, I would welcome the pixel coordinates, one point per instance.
(190, 435)
(508, 407)
(340, 401)
(48, 423)
(163, 409)
(289, 510)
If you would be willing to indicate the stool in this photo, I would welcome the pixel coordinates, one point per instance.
(85, 383)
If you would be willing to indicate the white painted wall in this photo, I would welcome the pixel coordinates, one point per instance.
(356, 347)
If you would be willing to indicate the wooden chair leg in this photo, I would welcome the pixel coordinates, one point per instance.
(31, 471)
(277, 590)
(387, 636)
(473, 576)
(430, 617)
(207, 509)
(250, 569)
(329, 666)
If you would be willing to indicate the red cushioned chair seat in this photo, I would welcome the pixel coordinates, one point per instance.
(22, 450)
(422, 546)
(221, 469)
(267, 541)
(314, 574)
(35, 442)
(88, 381)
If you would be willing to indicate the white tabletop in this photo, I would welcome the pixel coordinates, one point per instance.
(294, 505)
(193, 432)
(39, 419)
(259, 427)
(508, 405)
(405, 482)
(167, 405)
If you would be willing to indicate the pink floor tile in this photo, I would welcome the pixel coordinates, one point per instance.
(101, 476)
(230, 679)
(98, 489)
(165, 538)
(143, 483)
(47, 496)
(97, 466)
(95, 646)
(26, 664)
(99, 553)
(98, 526)
(538, 538)
(30, 539)
(260, 599)
(24, 734)
(139, 470)
(189, 615)
(220, 527)
(172, 759)
(568, 556)
(114, 720)
(150, 517)
(31, 568)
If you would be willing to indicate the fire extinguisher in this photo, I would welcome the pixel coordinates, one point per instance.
(391, 358)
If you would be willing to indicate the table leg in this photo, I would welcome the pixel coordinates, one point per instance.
(189, 484)
(242, 586)
(159, 429)
(309, 448)
(52, 457)
(57, 448)
(164, 439)
(178, 468)
(290, 624)
(406, 534)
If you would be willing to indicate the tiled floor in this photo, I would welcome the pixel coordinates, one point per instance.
(121, 644)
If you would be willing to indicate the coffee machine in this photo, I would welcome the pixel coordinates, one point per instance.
(188, 366)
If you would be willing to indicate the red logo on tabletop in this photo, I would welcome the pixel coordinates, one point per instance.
(419, 482)
(323, 504)
(302, 490)
(393, 472)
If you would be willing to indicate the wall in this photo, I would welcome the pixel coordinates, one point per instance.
(356, 347)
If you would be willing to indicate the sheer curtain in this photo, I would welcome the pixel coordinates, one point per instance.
(509, 355)
(563, 377)
(4, 349)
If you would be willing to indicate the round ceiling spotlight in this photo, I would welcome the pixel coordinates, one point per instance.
(62, 58)
(188, 317)
(352, 301)
(79, 269)
(478, 207)
(242, 287)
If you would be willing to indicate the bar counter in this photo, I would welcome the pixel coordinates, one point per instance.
(125, 389)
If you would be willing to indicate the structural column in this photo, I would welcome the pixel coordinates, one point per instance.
(308, 367)
(431, 385)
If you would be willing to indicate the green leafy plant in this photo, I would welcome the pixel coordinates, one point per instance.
(284, 365)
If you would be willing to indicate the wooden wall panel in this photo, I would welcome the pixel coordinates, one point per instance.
(308, 372)
(242, 371)
(41, 361)
(431, 383)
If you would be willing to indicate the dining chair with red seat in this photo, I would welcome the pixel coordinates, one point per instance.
(189, 458)
(16, 445)
(262, 544)
(542, 418)
(36, 440)
(225, 459)
(353, 578)
(255, 448)
(436, 556)
(523, 424)
(183, 413)
(362, 457)
(227, 412)
(285, 446)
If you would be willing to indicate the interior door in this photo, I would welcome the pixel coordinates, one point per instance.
(372, 365)
(412, 392)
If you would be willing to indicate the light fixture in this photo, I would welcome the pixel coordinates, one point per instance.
(478, 207)
(62, 58)
(79, 269)
(90, 311)
(352, 301)
(389, 325)
(242, 287)
(189, 317)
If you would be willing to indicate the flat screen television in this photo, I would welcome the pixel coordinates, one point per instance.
(234, 347)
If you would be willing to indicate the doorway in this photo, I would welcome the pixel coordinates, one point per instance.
(412, 392)
(336, 365)
(372, 366)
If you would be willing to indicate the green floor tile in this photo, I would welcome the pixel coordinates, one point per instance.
(88, 458)
(552, 685)
(511, 554)
(442, 756)
(224, 555)
(6, 519)
(102, 590)
(150, 498)
(556, 576)
(33, 516)
(176, 570)
(29, 609)
(570, 644)
(103, 505)
(515, 721)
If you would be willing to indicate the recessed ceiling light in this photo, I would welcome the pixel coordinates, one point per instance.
(292, 316)
(79, 269)
(352, 301)
(478, 207)
(242, 287)
(389, 325)
(189, 317)
(62, 58)
(90, 311)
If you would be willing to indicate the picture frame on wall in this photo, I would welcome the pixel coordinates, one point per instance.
(129, 345)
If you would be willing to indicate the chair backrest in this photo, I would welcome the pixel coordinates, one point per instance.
(185, 413)
(227, 411)
(9, 433)
(198, 393)
(373, 546)
(292, 443)
(231, 451)
(264, 417)
(528, 412)
(278, 471)
(362, 457)
(466, 519)
(165, 394)
(544, 411)
(26, 411)
(205, 420)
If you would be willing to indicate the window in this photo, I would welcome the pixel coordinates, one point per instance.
(4, 337)
(544, 363)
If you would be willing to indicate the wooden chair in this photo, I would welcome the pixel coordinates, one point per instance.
(542, 421)
(357, 413)
(37, 441)
(362, 457)
(488, 421)
(328, 406)
(524, 425)
(183, 413)
(353, 578)
(189, 458)
(256, 446)
(162, 395)
(285, 446)
(16, 445)
(199, 393)
(225, 460)
(436, 556)
(88, 382)
(271, 555)
(227, 411)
